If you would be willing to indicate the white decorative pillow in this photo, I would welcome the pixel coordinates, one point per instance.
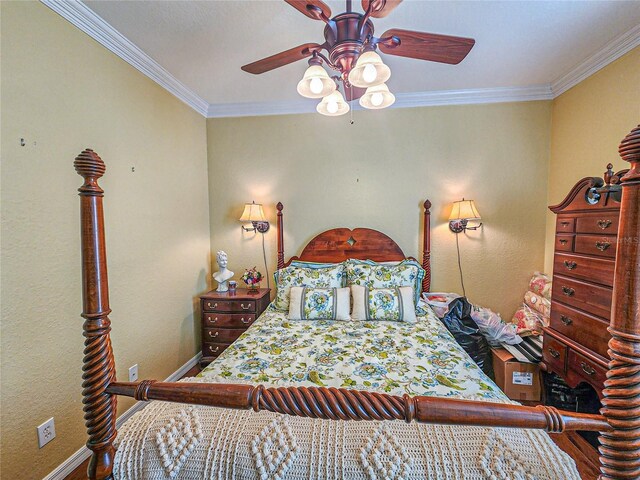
(316, 277)
(407, 273)
(319, 303)
(393, 304)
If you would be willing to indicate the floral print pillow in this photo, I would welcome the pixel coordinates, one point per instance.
(367, 273)
(383, 304)
(319, 303)
(323, 277)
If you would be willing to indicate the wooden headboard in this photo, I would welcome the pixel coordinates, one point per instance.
(339, 244)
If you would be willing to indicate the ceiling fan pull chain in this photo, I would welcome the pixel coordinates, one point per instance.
(351, 109)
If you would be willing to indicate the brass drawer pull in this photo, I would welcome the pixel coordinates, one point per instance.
(554, 353)
(209, 305)
(604, 224)
(566, 320)
(586, 368)
(245, 321)
(563, 241)
(570, 265)
(602, 246)
(214, 335)
(568, 291)
(214, 350)
(247, 307)
(565, 224)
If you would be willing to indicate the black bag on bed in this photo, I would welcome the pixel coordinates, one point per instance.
(466, 332)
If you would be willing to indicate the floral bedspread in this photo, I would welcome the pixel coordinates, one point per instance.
(396, 357)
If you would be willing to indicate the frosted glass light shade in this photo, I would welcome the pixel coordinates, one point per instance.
(464, 210)
(333, 105)
(377, 97)
(316, 83)
(369, 71)
(253, 212)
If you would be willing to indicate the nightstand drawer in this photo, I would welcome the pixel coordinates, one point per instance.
(229, 306)
(213, 349)
(554, 353)
(220, 335)
(596, 245)
(228, 320)
(586, 296)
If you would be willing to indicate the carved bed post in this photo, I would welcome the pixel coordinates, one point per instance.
(279, 206)
(426, 248)
(98, 363)
(620, 449)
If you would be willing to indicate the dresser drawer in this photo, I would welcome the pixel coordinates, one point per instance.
(583, 367)
(564, 243)
(220, 335)
(586, 296)
(229, 306)
(598, 270)
(596, 245)
(554, 353)
(228, 320)
(565, 224)
(587, 330)
(599, 223)
(213, 349)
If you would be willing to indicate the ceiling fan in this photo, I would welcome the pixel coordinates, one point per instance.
(351, 51)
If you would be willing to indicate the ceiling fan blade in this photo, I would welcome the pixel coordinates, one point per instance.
(317, 6)
(353, 93)
(381, 8)
(281, 59)
(427, 46)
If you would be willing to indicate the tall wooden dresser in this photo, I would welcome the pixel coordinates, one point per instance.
(575, 343)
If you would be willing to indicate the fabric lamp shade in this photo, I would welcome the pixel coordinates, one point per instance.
(369, 71)
(253, 212)
(464, 210)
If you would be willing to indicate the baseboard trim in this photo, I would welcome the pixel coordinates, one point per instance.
(74, 461)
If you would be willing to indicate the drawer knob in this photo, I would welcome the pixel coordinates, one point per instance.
(566, 320)
(212, 305)
(568, 291)
(563, 241)
(564, 224)
(570, 265)
(602, 246)
(214, 335)
(245, 307)
(245, 320)
(604, 224)
(586, 368)
(554, 353)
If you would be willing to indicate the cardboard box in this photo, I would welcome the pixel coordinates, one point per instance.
(520, 381)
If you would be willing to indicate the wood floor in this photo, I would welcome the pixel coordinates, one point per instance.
(585, 456)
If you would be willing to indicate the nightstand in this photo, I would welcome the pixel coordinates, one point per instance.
(225, 316)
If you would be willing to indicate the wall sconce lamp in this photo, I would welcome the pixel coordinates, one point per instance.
(462, 212)
(254, 214)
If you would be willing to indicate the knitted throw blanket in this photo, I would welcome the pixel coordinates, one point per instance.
(167, 440)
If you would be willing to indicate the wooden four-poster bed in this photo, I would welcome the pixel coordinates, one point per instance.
(619, 422)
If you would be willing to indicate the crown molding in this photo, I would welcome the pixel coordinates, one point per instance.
(603, 57)
(403, 100)
(93, 25)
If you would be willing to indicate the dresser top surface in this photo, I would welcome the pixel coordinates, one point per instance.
(240, 294)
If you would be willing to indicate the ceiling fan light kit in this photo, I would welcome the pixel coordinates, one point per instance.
(377, 97)
(333, 105)
(351, 51)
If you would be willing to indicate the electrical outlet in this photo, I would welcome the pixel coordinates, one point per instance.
(46, 432)
(133, 373)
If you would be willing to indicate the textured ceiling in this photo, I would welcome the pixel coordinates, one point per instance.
(518, 43)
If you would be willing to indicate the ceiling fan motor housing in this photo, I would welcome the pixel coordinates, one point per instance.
(345, 46)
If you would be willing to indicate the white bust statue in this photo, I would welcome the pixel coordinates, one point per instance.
(223, 275)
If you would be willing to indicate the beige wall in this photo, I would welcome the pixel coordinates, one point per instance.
(63, 92)
(589, 121)
(377, 172)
